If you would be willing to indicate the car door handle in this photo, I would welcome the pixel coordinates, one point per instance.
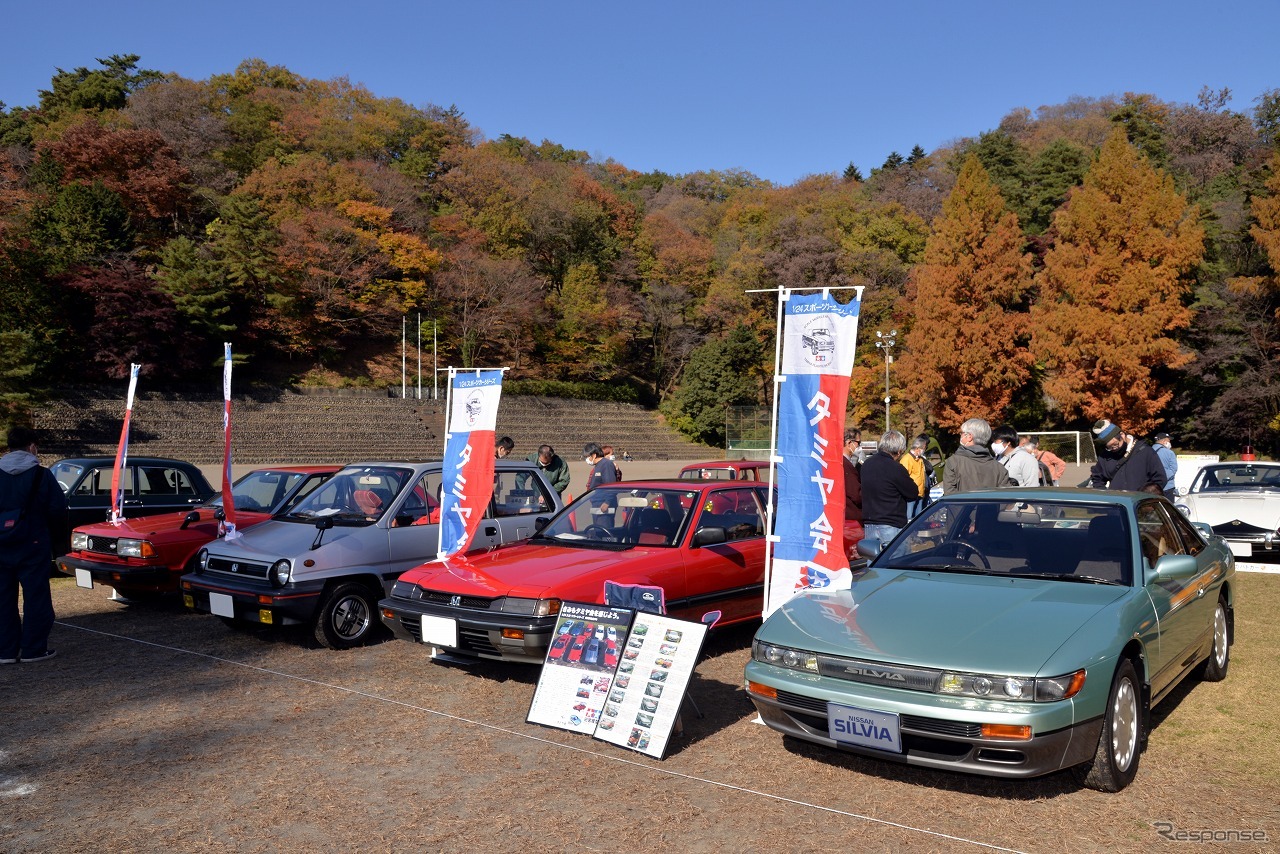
(491, 531)
(133, 502)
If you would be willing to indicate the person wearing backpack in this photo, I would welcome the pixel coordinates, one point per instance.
(33, 514)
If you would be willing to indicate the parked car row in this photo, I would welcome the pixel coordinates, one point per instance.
(997, 634)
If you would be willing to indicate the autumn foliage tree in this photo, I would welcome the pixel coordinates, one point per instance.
(1112, 291)
(966, 354)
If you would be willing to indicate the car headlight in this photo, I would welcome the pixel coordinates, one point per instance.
(531, 607)
(202, 560)
(134, 548)
(79, 540)
(279, 573)
(1184, 510)
(783, 656)
(403, 589)
(986, 686)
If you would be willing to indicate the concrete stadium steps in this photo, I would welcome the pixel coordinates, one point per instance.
(336, 427)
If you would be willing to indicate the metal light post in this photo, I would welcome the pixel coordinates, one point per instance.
(885, 342)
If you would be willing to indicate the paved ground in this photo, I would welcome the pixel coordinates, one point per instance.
(159, 730)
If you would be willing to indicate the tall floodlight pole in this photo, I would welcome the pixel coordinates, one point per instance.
(435, 364)
(885, 342)
(403, 364)
(419, 355)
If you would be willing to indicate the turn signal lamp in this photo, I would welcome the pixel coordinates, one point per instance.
(1009, 731)
(513, 634)
(762, 690)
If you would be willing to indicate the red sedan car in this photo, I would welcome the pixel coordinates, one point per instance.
(701, 541)
(145, 556)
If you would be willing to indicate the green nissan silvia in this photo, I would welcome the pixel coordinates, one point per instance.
(1005, 633)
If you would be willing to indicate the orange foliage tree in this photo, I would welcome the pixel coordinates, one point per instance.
(966, 353)
(1112, 291)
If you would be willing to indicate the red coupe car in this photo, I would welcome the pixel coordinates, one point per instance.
(702, 542)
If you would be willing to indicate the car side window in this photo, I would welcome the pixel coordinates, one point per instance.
(1156, 533)
(97, 481)
(157, 480)
(738, 511)
(422, 503)
(1192, 542)
(516, 493)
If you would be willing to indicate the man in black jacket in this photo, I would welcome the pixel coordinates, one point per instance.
(34, 511)
(886, 489)
(1124, 461)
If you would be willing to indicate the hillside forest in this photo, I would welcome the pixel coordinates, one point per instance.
(1113, 256)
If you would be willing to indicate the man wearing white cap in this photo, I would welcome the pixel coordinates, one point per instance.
(1124, 461)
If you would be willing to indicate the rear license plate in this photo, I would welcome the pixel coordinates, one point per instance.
(222, 605)
(439, 631)
(863, 727)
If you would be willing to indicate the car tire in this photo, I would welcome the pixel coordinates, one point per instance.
(1115, 763)
(347, 617)
(1214, 669)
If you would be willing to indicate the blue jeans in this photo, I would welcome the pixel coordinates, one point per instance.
(31, 630)
(883, 533)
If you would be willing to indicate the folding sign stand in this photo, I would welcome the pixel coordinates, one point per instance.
(617, 674)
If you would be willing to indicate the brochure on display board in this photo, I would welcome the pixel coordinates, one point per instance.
(630, 693)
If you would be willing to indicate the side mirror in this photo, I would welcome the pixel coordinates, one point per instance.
(1176, 566)
(541, 522)
(193, 516)
(709, 536)
(869, 547)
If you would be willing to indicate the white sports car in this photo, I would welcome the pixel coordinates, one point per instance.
(1240, 501)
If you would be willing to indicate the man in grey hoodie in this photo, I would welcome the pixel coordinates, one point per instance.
(33, 513)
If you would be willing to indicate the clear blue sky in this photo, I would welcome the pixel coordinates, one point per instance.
(781, 89)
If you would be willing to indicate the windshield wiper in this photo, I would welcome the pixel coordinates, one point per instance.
(950, 567)
(1083, 579)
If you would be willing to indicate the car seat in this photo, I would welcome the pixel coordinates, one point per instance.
(369, 502)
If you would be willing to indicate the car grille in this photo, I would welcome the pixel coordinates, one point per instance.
(103, 545)
(1237, 530)
(478, 603)
(237, 568)
(475, 641)
(874, 673)
(914, 723)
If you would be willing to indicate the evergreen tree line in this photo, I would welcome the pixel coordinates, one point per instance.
(1108, 257)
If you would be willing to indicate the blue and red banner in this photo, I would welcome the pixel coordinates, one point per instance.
(819, 337)
(467, 474)
(122, 451)
(228, 500)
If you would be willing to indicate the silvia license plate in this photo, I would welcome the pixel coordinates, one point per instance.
(863, 727)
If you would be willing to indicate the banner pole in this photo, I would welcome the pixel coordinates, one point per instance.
(783, 295)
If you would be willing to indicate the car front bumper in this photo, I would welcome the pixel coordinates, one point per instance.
(148, 576)
(943, 734)
(501, 636)
(291, 605)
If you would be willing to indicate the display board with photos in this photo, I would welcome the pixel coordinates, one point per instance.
(617, 674)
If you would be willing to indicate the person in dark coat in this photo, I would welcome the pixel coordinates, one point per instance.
(972, 466)
(853, 531)
(1124, 461)
(886, 490)
(34, 513)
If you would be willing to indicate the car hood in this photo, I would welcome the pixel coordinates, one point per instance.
(525, 569)
(275, 539)
(1254, 508)
(150, 527)
(943, 620)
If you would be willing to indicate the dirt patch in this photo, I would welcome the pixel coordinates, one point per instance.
(160, 730)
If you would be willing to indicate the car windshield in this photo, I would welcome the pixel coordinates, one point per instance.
(1237, 477)
(1060, 540)
(66, 474)
(261, 490)
(709, 473)
(613, 517)
(359, 495)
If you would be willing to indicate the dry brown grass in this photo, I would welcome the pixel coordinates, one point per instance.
(158, 730)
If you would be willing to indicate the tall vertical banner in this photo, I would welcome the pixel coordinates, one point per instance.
(122, 451)
(818, 340)
(467, 473)
(228, 500)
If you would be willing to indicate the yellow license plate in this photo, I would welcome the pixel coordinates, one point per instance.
(264, 616)
(188, 600)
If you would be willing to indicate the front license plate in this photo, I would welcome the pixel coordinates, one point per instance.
(863, 727)
(222, 605)
(439, 631)
(84, 578)
(1241, 549)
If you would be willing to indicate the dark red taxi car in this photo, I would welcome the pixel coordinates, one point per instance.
(702, 542)
(146, 556)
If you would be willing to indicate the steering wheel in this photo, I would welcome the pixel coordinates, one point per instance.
(961, 546)
(601, 533)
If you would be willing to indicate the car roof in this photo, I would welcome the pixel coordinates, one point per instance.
(684, 485)
(152, 460)
(743, 463)
(1050, 494)
(320, 469)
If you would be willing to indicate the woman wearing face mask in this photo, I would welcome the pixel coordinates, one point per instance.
(1022, 467)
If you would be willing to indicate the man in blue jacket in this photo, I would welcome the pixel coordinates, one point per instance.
(33, 513)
